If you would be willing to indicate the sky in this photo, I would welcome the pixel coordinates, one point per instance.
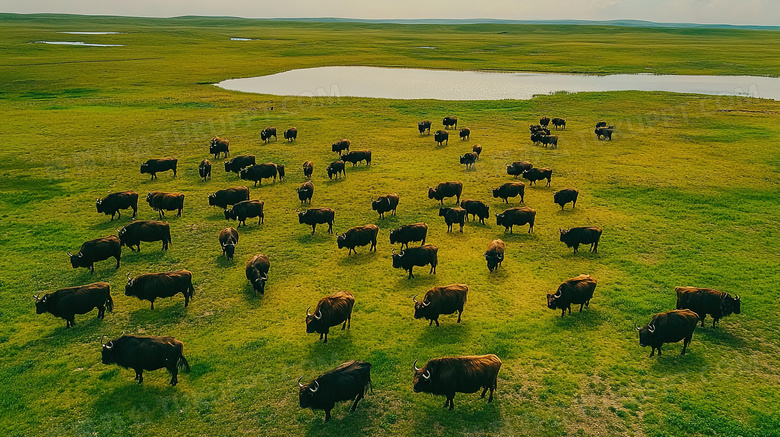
(737, 12)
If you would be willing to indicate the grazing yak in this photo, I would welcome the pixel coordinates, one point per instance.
(441, 300)
(601, 124)
(358, 236)
(112, 203)
(330, 311)
(559, 123)
(705, 301)
(408, 233)
(219, 145)
(536, 137)
(441, 136)
(308, 169)
(67, 302)
(340, 145)
(97, 250)
(416, 256)
(267, 133)
(152, 286)
(149, 230)
(204, 169)
(452, 216)
(239, 162)
(536, 174)
(257, 272)
(476, 208)
(495, 254)
(291, 134)
(305, 192)
(347, 382)
(450, 121)
(465, 133)
(246, 209)
(669, 327)
(573, 237)
(510, 189)
(539, 128)
(446, 189)
(154, 166)
(161, 202)
(258, 172)
(577, 290)
(604, 132)
(449, 375)
(229, 196)
(477, 148)
(516, 216)
(335, 168)
(469, 159)
(146, 353)
(315, 216)
(228, 239)
(424, 126)
(517, 168)
(549, 140)
(544, 121)
(385, 203)
(565, 196)
(356, 156)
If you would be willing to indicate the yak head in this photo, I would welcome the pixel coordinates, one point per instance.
(431, 193)
(443, 211)
(730, 305)
(314, 322)
(380, 203)
(108, 351)
(228, 165)
(563, 234)
(230, 214)
(145, 168)
(496, 191)
(500, 219)
(553, 300)
(75, 260)
(302, 216)
(244, 173)
(341, 240)
(646, 334)
(494, 259)
(422, 309)
(397, 259)
(463, 159)
(422, 379)
(41, 303)
(229, 247)
(129, 286)
(307, 393)
(99, 205)
(259, 282)
(212, 199)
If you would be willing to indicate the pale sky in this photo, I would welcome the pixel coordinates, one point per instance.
(744, 12)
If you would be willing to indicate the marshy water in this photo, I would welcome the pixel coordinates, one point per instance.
(406, 83)
(78, 43)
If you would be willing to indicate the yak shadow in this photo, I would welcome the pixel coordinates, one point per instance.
(581, 321)
(361, 258)
(129, 398)
(169, 310)
(471, 416)
(335, 180)
(344, 422)
(320, 236)
(421, 278)
(718, 335)
(449, 331)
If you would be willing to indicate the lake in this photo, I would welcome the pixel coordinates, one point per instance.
(407, 83)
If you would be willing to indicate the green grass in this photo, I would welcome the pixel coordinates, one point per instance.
(687, 194)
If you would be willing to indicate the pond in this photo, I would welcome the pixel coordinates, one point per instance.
(78, 43)
(406, 83)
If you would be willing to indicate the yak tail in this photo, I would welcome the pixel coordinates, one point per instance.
(191, 289)
(183, 364)
(109, 303)
(368, 385)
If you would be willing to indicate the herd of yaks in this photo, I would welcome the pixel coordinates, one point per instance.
(351, 380)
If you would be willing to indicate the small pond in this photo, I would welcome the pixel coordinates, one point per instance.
(78, 43)
(406, 83)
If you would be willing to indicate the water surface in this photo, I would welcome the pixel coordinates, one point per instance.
(405, 83)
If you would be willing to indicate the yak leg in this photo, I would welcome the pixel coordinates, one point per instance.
(118, 257)
(581, 305)
(174, 375)
(357, 399)
(576, 246)
(326, 338)
(450, 400)
(595, 247)
(410, 273)
(686, 342)
(430, 323)
(101, 311)
(460, 311)
(437, 321)
(186, 299)
(327, 414)
(485, 391)
(490, 398)
(139, 375)
(330, 228)
(313, 228)
(152, 304)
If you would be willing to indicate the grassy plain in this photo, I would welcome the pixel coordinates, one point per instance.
(687, 194)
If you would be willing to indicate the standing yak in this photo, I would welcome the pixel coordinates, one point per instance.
(112, 203)
(308, 169)
(446, 189)
(441, 136)
(67, 302)
(229, 196)
(347, 382)
(160, 201)
(495, 254)
(441, 300)
(228, 239)
(668, 327)
(152, 286)
(154, 166)
(577, 290)
(267, 133)
(149, 230)
(565, 196)
(219, 145)
(146, 353)
(449, 375)
(246, 209)
(291, 134)
(476, 208)
(315, 216)
(424, 126)
(385, 203)
(408, 233)
(204, 169)
(450, 121)
(705, 301)
(510, 189)
(358, 236)
(305, 192)
(97, 250)
(417, 256)
(573, 237)
(257, 272)
(330, 311)
(518, 167)
(516, 216)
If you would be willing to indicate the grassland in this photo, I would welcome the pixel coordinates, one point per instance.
(687, 194)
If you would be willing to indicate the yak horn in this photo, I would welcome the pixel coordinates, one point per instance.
(299, 382)
(651, 328)
(427, 372)
(307, 312)
(320, 314)
(101, 339)
(413, 298)
(314, 389)
(70, 254)
(416, 369)
(110, 345)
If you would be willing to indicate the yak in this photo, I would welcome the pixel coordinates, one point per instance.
(441, 136)
(495, 254)
(476, 208)
(573, 237)
(239, 162)
(67, 302)
(315, 216)
(385, 203)
(330, 311)
(577, 290)
(565, 196)
(229, 196)
(97, 250)
(228, 239)
(152, 286)
(150, 230)
(408, 233)
(510, 189)
(291, 134)
(161, 202)
(669, 327)
(146, 353)
(516, 216)
(358, 236)
(246, 209)
(705, 301)
(446, 189)
(347, 382)
(305, 192)
(416, 256)
(441, 300)
(204, 169)
(154, 166)
(449, 375)
(335, 168)
(112, 203)
(257, 272)
(219, 145)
